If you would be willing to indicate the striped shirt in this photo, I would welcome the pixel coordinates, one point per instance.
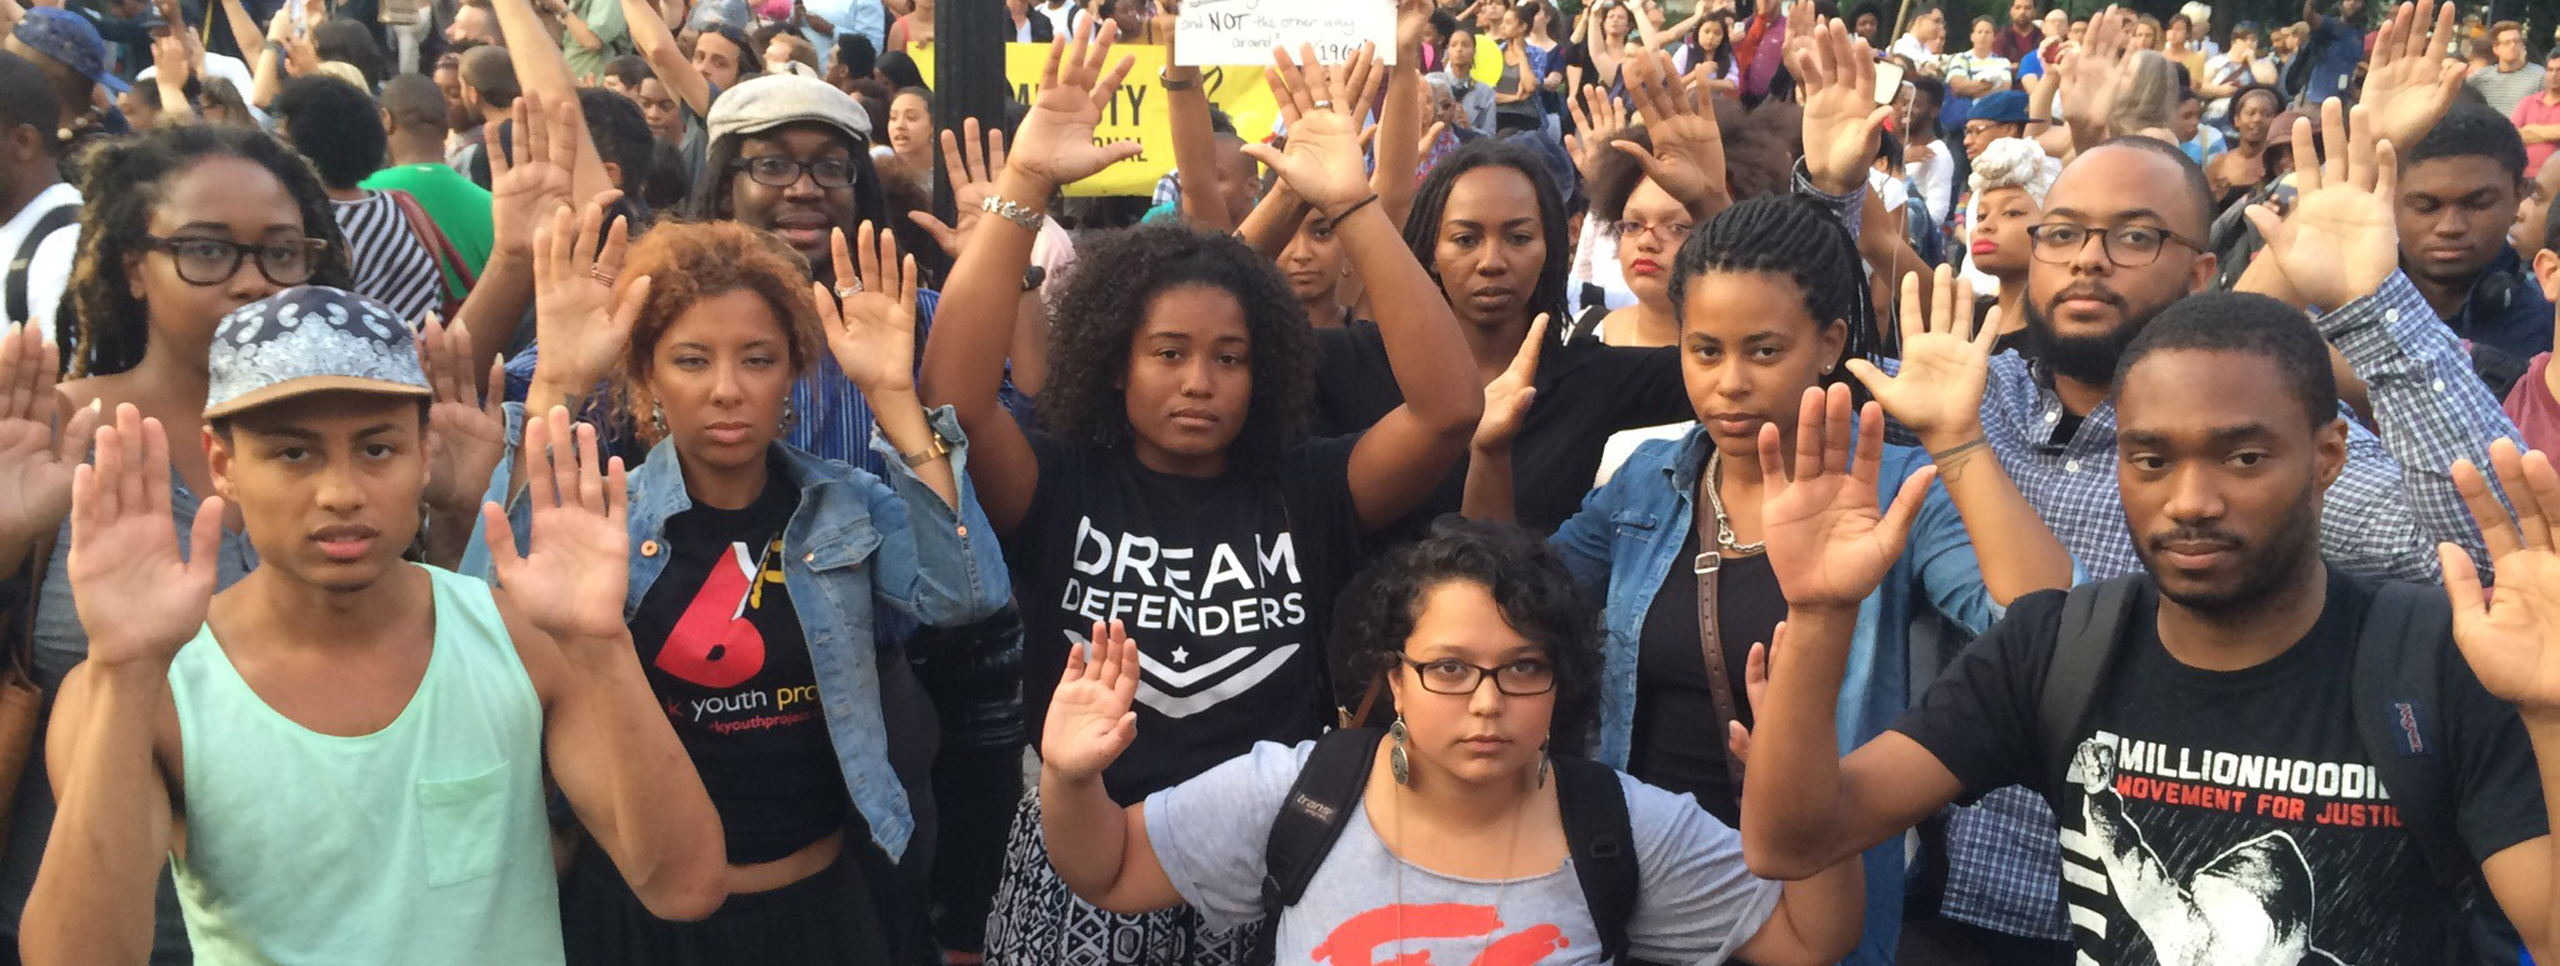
(393, 265)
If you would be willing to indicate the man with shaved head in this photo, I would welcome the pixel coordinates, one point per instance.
(413, 112)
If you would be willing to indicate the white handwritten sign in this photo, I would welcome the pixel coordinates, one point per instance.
(1216, 32)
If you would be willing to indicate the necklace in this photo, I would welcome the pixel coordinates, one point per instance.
(1725, 540)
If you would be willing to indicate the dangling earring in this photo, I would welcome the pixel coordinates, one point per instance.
(657, 418)
(1543, 760)
(790, 417)
(1395, 756)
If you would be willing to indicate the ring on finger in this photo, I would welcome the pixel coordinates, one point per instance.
(598, 273)
(849, 291)
(1322, 104)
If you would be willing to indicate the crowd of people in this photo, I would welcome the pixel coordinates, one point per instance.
(2138, 544)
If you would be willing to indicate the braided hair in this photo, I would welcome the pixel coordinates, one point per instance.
(104, 327)
(1431, 205)
(1789, 236)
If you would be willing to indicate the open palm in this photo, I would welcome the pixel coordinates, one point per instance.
(1829, 543)
(570, 582)
(35, 463)
(2341, 241)
(872, 330)
(2413, 76)
(1323, 103)
(466, 424)
(578, 320)
(1945, 362)
(138, 598)
(2511, 636)
(1687, 160)
(1055, 141)
(1089, 721)
(529, 183)
(1842, 122)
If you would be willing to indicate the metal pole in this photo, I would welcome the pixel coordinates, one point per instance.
(968, 75)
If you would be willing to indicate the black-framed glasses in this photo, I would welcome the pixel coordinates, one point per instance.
(213, 261)
(778, 171)
(2128, 246)
(1519, 679)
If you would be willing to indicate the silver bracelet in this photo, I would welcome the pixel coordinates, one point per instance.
(1013, 211)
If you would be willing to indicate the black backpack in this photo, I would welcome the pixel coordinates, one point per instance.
(1596, 830)
(2398, 695)
(46, 224)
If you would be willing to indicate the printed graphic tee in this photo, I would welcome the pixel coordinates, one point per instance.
(2231, 817)
(728, 663)
(1696, 901)
(1226, 584)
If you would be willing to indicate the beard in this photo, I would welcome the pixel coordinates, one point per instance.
(2264, 569)
(2089, 359)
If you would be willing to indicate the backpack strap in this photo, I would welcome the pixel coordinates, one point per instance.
(1602, 839)
(1319, 804)
(2397, 684)
(2094, 617)
(46, 224)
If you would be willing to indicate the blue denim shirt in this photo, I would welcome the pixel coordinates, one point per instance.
(857, 541)
(1626, 540)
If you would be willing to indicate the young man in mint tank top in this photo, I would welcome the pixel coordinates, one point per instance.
(342, 754)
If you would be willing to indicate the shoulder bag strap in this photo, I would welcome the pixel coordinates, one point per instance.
(48, 223)
(1719, 682)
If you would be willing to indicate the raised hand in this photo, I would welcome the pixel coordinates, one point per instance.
(580, 324)
(35, 462)
(1687, 160)
(1411, 17)
(1508, 397)
(467, 422)
(139, 600)
(871, 323)
(2511, 636)
(1596, 115)
(1323, 105)
(1945, 363)
(170, 61)
(1089, 722)
(2341, 242)
(1829, 544)
(972, 170)
(2092, 74)
(1842, 121)
(2413, 76)
(527, 184)
(570, 582)
(1055, 143)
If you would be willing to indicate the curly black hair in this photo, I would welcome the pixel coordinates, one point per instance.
(104, 328)
(336, 125)
(1105, 302)
(1538, 597)
(1431, 204)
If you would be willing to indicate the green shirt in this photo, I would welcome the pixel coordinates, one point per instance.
(459, 208)
(605, 18)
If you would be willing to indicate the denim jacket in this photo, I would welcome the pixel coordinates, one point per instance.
(855, 540)
(1627, 538)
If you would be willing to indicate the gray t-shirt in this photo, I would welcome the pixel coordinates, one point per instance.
(1696, 901)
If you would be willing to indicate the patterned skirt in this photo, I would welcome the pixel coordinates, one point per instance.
(1037, 921)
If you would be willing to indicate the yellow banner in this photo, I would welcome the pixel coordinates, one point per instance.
(1137, 110)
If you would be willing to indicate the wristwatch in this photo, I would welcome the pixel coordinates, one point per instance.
(934, 449)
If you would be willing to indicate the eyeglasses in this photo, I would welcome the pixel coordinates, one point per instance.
(1673, 232)
(2128, 246)
(776, 171)
(213, 261)
(1518, 679)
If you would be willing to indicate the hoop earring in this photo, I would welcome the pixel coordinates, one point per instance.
(1395, 756)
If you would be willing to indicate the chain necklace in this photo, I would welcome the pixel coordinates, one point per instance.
(1725, 540)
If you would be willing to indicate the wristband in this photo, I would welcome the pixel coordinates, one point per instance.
(1355, 206)
(1165, 79)
(935, 448)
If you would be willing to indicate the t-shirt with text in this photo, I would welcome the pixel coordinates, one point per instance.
(2231, 813)
(727, 659)
(1226, 583)
(1696, 901)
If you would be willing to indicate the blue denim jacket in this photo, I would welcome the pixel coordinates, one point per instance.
(1627, 538)
(856, 541)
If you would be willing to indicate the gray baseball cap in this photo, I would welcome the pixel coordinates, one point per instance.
(307, 339)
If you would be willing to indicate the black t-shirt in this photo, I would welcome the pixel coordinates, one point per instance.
(2233, 808)
(728, 662)
(1679, 743)
(1585, 392)
(1225, 583)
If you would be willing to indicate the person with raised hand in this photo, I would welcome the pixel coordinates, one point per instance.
(440, 709)
(1174, 429)
(1766, 296)
(2412, 76)
(1467, 814)
(466, 437)
(1654, 184)
(760, 571)
(40, 445)
(2092, 76)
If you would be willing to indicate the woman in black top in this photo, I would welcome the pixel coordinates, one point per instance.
(1174, 487)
